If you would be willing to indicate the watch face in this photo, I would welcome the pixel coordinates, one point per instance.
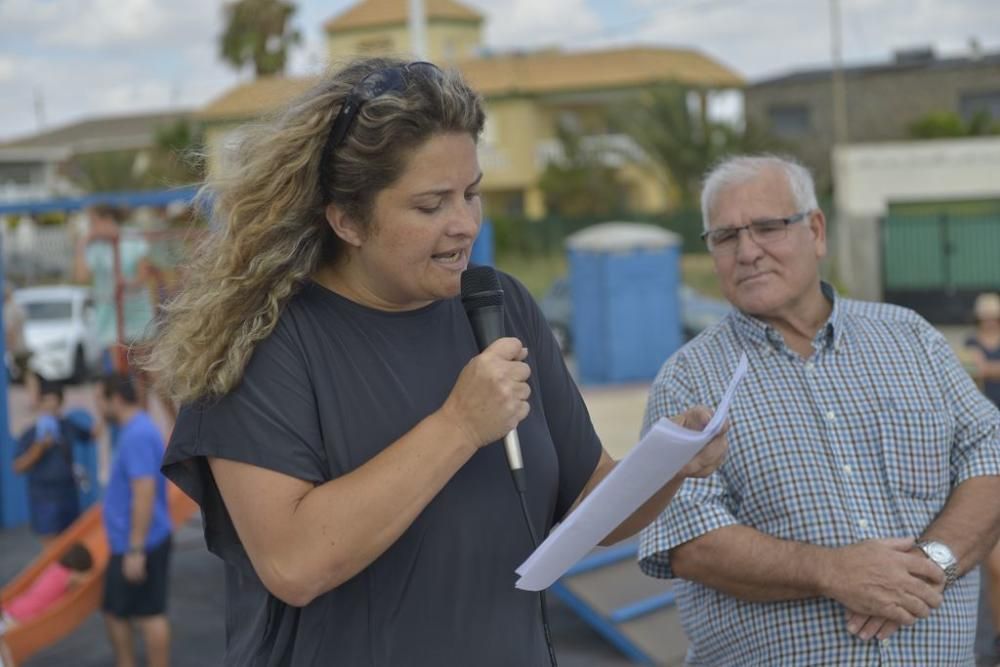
(938, 552)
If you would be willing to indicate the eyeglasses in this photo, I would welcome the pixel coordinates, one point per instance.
(724, 240)
(375, 84)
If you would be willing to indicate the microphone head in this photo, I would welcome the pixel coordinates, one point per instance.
(481, 287)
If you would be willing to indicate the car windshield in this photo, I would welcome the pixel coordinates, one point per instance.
(35, 311)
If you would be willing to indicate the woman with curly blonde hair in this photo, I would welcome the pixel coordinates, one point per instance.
(337, 411)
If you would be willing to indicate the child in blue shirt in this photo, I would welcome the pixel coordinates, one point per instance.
(45, 455)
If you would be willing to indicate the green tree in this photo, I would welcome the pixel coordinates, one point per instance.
(580, 182)
(259, 32)
(945, 124)
(171, 160)
(107, 171)
(683, 141)
(176, 155)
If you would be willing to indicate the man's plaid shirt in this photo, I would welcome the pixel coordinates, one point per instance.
(865, 439)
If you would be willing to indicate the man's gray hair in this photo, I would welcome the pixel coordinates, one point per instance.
(742, 168)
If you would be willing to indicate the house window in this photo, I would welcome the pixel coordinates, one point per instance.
(375, 47)
(17, 173)
(789, 121)
(971, 104)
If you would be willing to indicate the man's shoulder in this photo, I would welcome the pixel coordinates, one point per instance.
(715, 343)
(142, 428)
(715, 347)
(878, 311)
(883, 318)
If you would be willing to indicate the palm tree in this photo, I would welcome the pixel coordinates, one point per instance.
(259, 32)
(683, 141)
(580, 182)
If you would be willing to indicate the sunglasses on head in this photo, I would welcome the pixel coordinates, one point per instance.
(375, 84)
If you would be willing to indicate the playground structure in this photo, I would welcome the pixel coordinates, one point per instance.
(24, 640)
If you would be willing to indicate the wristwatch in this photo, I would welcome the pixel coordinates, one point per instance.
(943, 558)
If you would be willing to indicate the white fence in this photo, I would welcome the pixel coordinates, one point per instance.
(37, 254)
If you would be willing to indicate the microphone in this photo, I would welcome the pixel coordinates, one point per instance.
(482, 298)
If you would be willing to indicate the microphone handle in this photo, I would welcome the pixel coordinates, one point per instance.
(512, 445)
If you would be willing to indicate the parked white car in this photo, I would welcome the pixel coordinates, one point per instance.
(59, 329)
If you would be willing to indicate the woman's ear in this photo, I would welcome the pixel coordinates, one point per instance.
(344, 226)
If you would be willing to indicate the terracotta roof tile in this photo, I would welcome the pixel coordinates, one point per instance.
(372, 13)
(532, 73)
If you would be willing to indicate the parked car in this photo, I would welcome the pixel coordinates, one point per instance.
(698, 312)
(59, 329)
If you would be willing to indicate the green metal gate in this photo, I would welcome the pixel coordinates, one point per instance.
(936, 263)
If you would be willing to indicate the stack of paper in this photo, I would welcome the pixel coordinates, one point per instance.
(660, 455)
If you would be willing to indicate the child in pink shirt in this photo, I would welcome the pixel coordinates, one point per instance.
(47, 588)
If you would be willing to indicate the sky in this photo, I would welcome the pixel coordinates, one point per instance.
(66, 60)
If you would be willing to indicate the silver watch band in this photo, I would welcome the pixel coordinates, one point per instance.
(943, 557)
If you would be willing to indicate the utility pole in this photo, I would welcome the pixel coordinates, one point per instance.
(837, 77)
(39, 108)
(418, 29)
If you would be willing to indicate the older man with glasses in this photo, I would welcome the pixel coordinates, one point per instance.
(860, 489)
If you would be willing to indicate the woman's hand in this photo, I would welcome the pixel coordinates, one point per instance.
(713, 453)
(490, 397)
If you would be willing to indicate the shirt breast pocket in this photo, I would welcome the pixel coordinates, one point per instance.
(916, 447)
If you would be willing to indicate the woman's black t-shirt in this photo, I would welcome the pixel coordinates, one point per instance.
(330, 388)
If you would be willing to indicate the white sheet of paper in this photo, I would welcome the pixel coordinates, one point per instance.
(660, 455)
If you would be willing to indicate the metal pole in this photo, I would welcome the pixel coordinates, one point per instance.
(418, 29)
(13, 489)
(838, 89)
(120, 356)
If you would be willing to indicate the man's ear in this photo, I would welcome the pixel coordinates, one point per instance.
(344, 226)
(817, 222)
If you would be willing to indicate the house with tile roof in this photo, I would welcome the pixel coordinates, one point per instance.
(33, 167)
(528, 96)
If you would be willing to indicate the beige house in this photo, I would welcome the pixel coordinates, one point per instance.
(528, 95)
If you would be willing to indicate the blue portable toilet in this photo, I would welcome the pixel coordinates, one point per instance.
(482, 250)
(624, 286)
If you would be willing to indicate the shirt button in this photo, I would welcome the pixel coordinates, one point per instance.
(830, 415)
(848, 469)
(863, 523)
(884, 642)
(810, 366)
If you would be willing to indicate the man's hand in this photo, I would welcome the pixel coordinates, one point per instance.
(712, 454)
(867, 627)
(883, 579)
(134, 567)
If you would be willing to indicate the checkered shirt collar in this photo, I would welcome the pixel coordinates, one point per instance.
(832, 335)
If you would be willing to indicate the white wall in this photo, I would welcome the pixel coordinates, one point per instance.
(868, 176)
